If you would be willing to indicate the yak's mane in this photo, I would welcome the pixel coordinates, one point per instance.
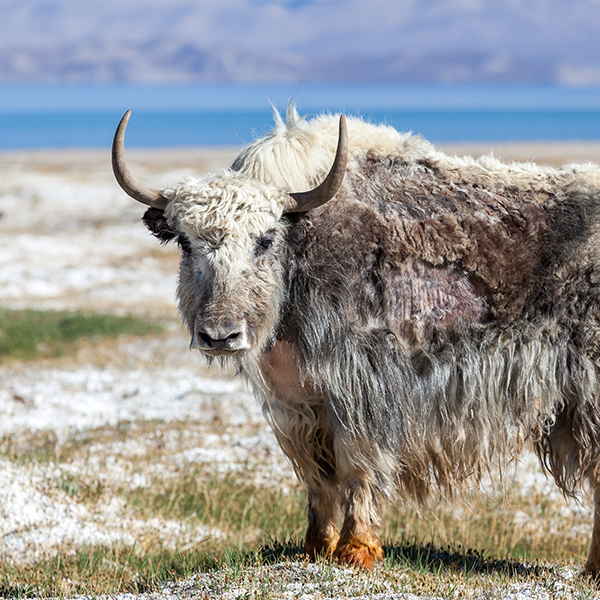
(299, 151)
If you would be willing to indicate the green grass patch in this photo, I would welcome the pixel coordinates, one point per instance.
(30, 334)
(244, 511)
(99, 570)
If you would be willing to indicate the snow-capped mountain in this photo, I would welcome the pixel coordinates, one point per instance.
(292, 40)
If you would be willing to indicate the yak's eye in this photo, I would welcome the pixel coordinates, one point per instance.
(184, 243)
(263, 243)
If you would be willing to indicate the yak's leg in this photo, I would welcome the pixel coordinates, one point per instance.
(300, 424)
(359, 543)
(592, 566)
(322, 533)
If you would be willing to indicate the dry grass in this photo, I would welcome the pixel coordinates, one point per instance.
(239, 534)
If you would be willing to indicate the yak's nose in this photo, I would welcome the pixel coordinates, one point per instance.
(222, 339)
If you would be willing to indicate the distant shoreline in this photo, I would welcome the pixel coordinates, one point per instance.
(197, 159)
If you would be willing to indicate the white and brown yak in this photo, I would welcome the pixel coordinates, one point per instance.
(411, 321)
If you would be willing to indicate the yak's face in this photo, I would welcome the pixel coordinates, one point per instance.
(231, 276)
(233, 244)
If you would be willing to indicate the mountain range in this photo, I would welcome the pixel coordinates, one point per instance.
(152, 41)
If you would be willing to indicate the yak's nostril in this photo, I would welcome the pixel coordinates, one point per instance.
(206, 339)
(219, 340)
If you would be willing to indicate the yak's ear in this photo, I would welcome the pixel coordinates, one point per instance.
(154, 220)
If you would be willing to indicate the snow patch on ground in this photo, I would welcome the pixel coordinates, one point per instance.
(88, 397)
(45, 520)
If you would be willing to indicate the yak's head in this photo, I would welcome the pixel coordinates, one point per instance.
(233, 234)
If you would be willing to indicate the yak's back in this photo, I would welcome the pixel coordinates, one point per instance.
(298, 152)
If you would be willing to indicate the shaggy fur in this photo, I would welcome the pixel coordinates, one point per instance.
(423, 325)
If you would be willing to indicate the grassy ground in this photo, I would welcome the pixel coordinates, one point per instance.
(28, 334)
(237, 535)
(192, 527)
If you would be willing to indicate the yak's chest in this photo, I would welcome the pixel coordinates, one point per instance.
(281, 371)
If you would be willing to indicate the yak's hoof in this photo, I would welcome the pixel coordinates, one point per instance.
(357, 552)
(591, 571)
(323, 546)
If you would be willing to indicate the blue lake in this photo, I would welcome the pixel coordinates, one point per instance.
(86, 116)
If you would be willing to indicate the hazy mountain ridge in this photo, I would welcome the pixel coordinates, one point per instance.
(324, 40)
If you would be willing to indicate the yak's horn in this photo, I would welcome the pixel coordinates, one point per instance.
(305, 201)
(131, 186)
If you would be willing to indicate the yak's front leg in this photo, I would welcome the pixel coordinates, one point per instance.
(359, 543)
(592, 566)
(322, 533)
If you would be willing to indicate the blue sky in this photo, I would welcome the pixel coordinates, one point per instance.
(382, 56)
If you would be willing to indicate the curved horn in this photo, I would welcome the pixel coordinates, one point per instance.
(130, 185)
(305, 201)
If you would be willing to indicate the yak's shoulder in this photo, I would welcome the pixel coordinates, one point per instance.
(422, 302)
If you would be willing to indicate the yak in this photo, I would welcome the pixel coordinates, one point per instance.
(408, 318)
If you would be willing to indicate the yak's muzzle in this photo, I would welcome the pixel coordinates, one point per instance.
(223, 339)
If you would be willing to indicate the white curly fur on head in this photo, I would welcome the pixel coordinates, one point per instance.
(224, 203)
